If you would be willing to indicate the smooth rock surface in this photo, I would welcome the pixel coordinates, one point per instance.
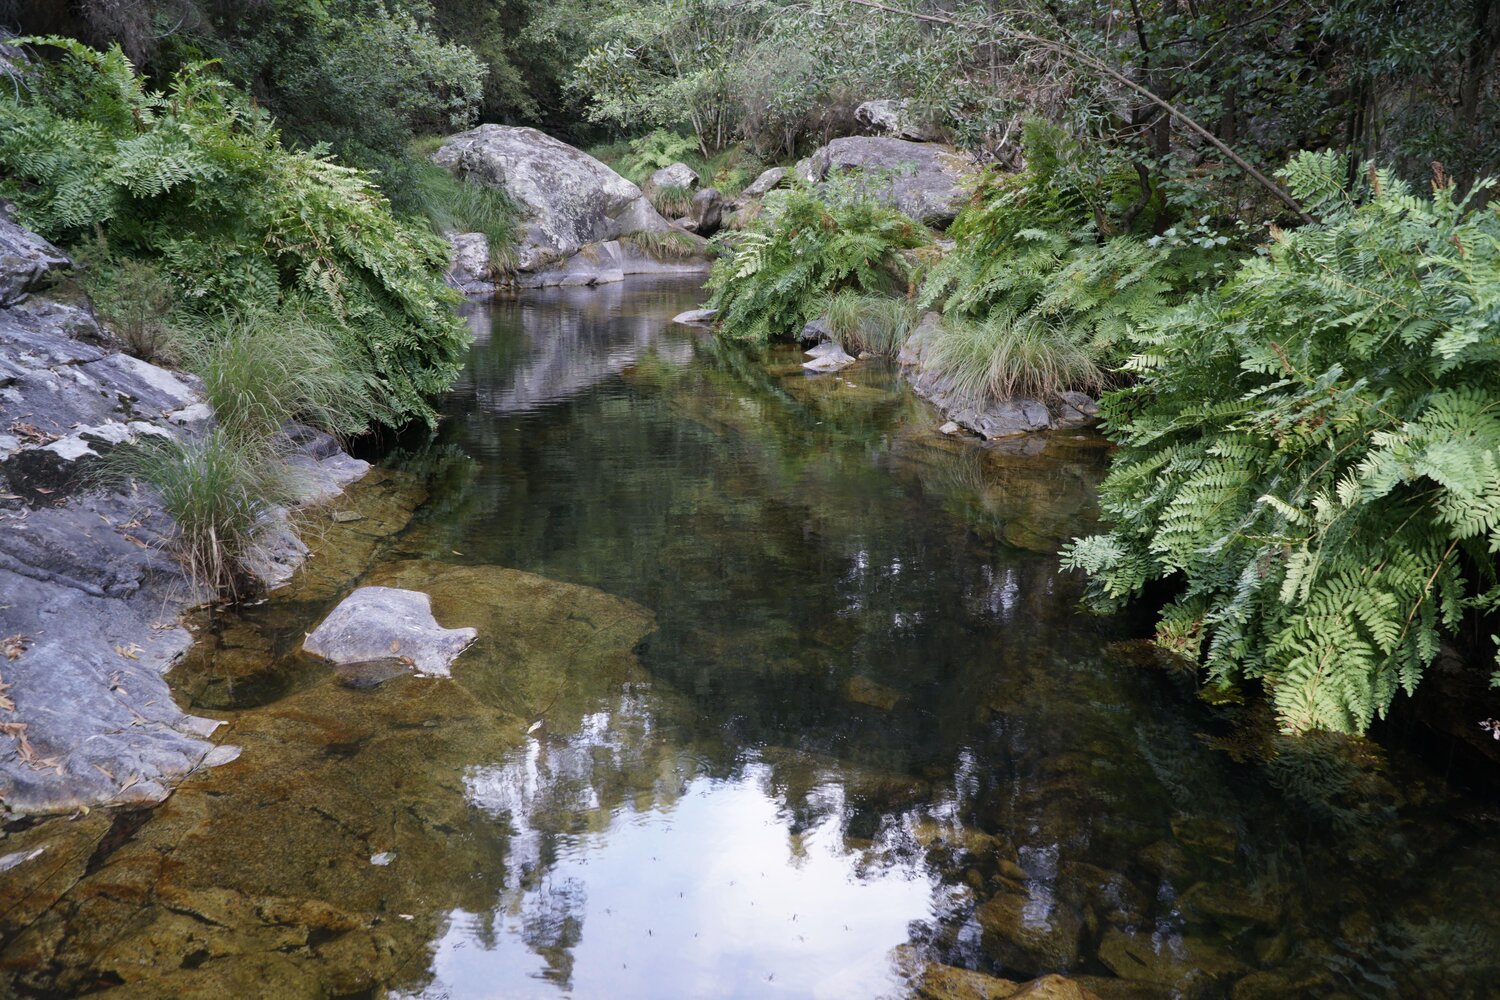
(677, 175)
(696, 317)
(927, 181)
(570, 199)
(608, 262)
(379, 622)
(828, 357)
(764, 184)
(707, 211)
(25, 260)
(469, 266)
(895, 118)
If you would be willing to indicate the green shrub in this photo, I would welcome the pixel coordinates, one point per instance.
(776, 275)
(878, 324)
(219, 490)
(262, 370)
(449, 204)
(197, 182)
(1001, 356)
(1312, 453)
(671, 200)
(655, 150)
(135, 300)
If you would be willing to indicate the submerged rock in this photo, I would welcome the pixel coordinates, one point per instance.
(1030, 935)
(927, 181)
(1189, 965)
(376, 622)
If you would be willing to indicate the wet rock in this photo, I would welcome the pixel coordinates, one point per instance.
(1054, 987)
(570, 199)
(695, 317)
(1029, 935)
(1232, 905)
(707, 211)
(1189, 965)
(376, 622)
(863, 691)
(608, 262)
(764, 184)
(469, 264)
(1275, 985)
(368, 674)
(944, 982)
(895, 118)
(1113, 988)
(677, 175)
(828, 357)
(927, 181)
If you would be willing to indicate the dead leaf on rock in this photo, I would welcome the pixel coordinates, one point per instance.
(130, 652)
(14, 646)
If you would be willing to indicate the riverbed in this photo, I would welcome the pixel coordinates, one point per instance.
(779, 691)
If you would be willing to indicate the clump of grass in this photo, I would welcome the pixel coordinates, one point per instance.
(136, 300)
(669, 243)
(453, 205)
(1004, 357)
(262, 370)
(220, 491)
(878, 324)
(671, 200)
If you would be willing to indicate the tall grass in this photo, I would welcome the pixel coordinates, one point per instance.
(262, 370)
(220, 491)
(878, 324)
(452, 205)
(671, 200)
(1002, 357)
(669, 244)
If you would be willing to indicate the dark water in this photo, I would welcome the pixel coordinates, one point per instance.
(851, 726)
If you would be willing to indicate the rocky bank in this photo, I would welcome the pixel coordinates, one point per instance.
(89, 601)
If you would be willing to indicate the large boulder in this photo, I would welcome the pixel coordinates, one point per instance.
(25, 258)
(678, 175)
(569, 198)
(927, 181)
(707, 211)
(376, 623)
(895, 118)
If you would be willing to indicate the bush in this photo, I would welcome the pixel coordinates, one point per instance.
(1002, 356)
(878, 324)
(220, 491)
(776, 275)
(135, 300)
(1312, 454)
(197, 183)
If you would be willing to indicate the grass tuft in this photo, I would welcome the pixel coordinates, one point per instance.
(878, 324)
(671, 200)
(452, 205)
(668, 244)
(1002, 357)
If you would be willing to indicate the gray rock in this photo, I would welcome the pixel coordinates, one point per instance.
(469, 265)
(815, 330)
(708, 211)
(828, 357)
(380, 622)
(608, 262)
(25, 260)
(928, 181)
(678, 175)
(571, 200)
(764, 184)
(895, 118)
(695, 317)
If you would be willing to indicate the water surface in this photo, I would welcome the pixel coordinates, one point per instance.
(779, 692)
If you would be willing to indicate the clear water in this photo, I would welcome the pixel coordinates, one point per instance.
(866, 731)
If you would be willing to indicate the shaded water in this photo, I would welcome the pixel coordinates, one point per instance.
(789, 699)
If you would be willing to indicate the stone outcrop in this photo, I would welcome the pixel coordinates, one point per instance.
(678, 175)
(764, 184)
(707, 211)
(570, 200)
(469, 264)
(927, 181)
(988, 418)
(88, 597)
(379, 623)
(896, 119)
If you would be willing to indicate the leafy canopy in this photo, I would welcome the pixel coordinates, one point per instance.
(196, 180)
(1313, 452)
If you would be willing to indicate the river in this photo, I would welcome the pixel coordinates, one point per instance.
(779, 692)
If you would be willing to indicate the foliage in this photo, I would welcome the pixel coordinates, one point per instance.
(774, 277)
(220, 491)
(263, 370)
(671, 200)
(196, 181)
(135, 299)
(878, 324)
(670, 243)
(1004, 356)
(1312, 454)
(450, 204)
(656, 149)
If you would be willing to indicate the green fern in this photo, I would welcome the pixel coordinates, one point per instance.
(1313, 452)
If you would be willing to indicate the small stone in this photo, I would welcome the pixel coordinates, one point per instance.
(950, 428)
(695, 317)
(346, 516)
(383, 858)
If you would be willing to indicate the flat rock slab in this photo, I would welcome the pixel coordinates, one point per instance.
(696, 317)
(376, 622)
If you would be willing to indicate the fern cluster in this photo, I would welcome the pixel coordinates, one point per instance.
(196, 180)
(1054, 256)
(777, 275)
(1313, 451)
